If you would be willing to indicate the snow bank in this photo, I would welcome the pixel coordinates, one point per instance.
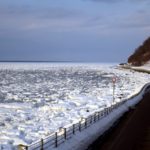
(145, 68)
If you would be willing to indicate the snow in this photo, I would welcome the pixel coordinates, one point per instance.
(36, 99)
(83, 139)
(145, 67)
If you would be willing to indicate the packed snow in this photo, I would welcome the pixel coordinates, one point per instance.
(38, 98)
(145, 67)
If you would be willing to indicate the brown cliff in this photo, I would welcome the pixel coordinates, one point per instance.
(141, 54)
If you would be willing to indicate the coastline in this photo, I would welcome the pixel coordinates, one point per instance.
(130, 132)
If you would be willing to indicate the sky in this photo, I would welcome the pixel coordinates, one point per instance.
(72, 30)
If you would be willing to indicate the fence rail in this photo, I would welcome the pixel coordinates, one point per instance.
(63, 134)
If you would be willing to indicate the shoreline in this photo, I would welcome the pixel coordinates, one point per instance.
(124, 133)
(138, 69)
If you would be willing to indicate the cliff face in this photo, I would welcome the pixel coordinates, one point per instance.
(141, 54)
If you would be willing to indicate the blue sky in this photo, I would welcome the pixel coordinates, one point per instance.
(72, 30)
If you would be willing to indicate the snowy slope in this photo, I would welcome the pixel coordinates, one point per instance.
(145, 67)
(37, 99)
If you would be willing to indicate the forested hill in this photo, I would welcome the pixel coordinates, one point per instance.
(141, 54)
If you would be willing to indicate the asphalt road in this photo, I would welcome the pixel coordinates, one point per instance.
(131, 133)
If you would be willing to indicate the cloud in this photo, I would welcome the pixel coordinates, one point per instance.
(31, 18)
(138, 19)
(107, 1)
(26, 18)
(115, 2)
(96, 24)
(46, 12)
(110, 1)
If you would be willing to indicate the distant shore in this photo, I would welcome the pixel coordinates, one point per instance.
(139, 69)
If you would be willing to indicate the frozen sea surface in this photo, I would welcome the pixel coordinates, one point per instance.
(38, 98)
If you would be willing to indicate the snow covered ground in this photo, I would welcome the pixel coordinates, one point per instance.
(82, 140)
(38, 98)
(145, 67)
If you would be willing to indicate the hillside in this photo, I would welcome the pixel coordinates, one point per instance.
(141, 54)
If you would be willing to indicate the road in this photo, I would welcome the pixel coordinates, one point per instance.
(131, 133)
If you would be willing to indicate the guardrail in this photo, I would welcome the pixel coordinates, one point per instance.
(65, 133)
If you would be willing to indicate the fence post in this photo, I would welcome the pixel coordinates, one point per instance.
(42, 144)
(107, 111)
(103, 113)
(80, 126)
(94, 117)
(91, 120)
(111, 107)
(56, 144)
(85, 122)
(98, 115)
(65, 133)
(73, 128)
